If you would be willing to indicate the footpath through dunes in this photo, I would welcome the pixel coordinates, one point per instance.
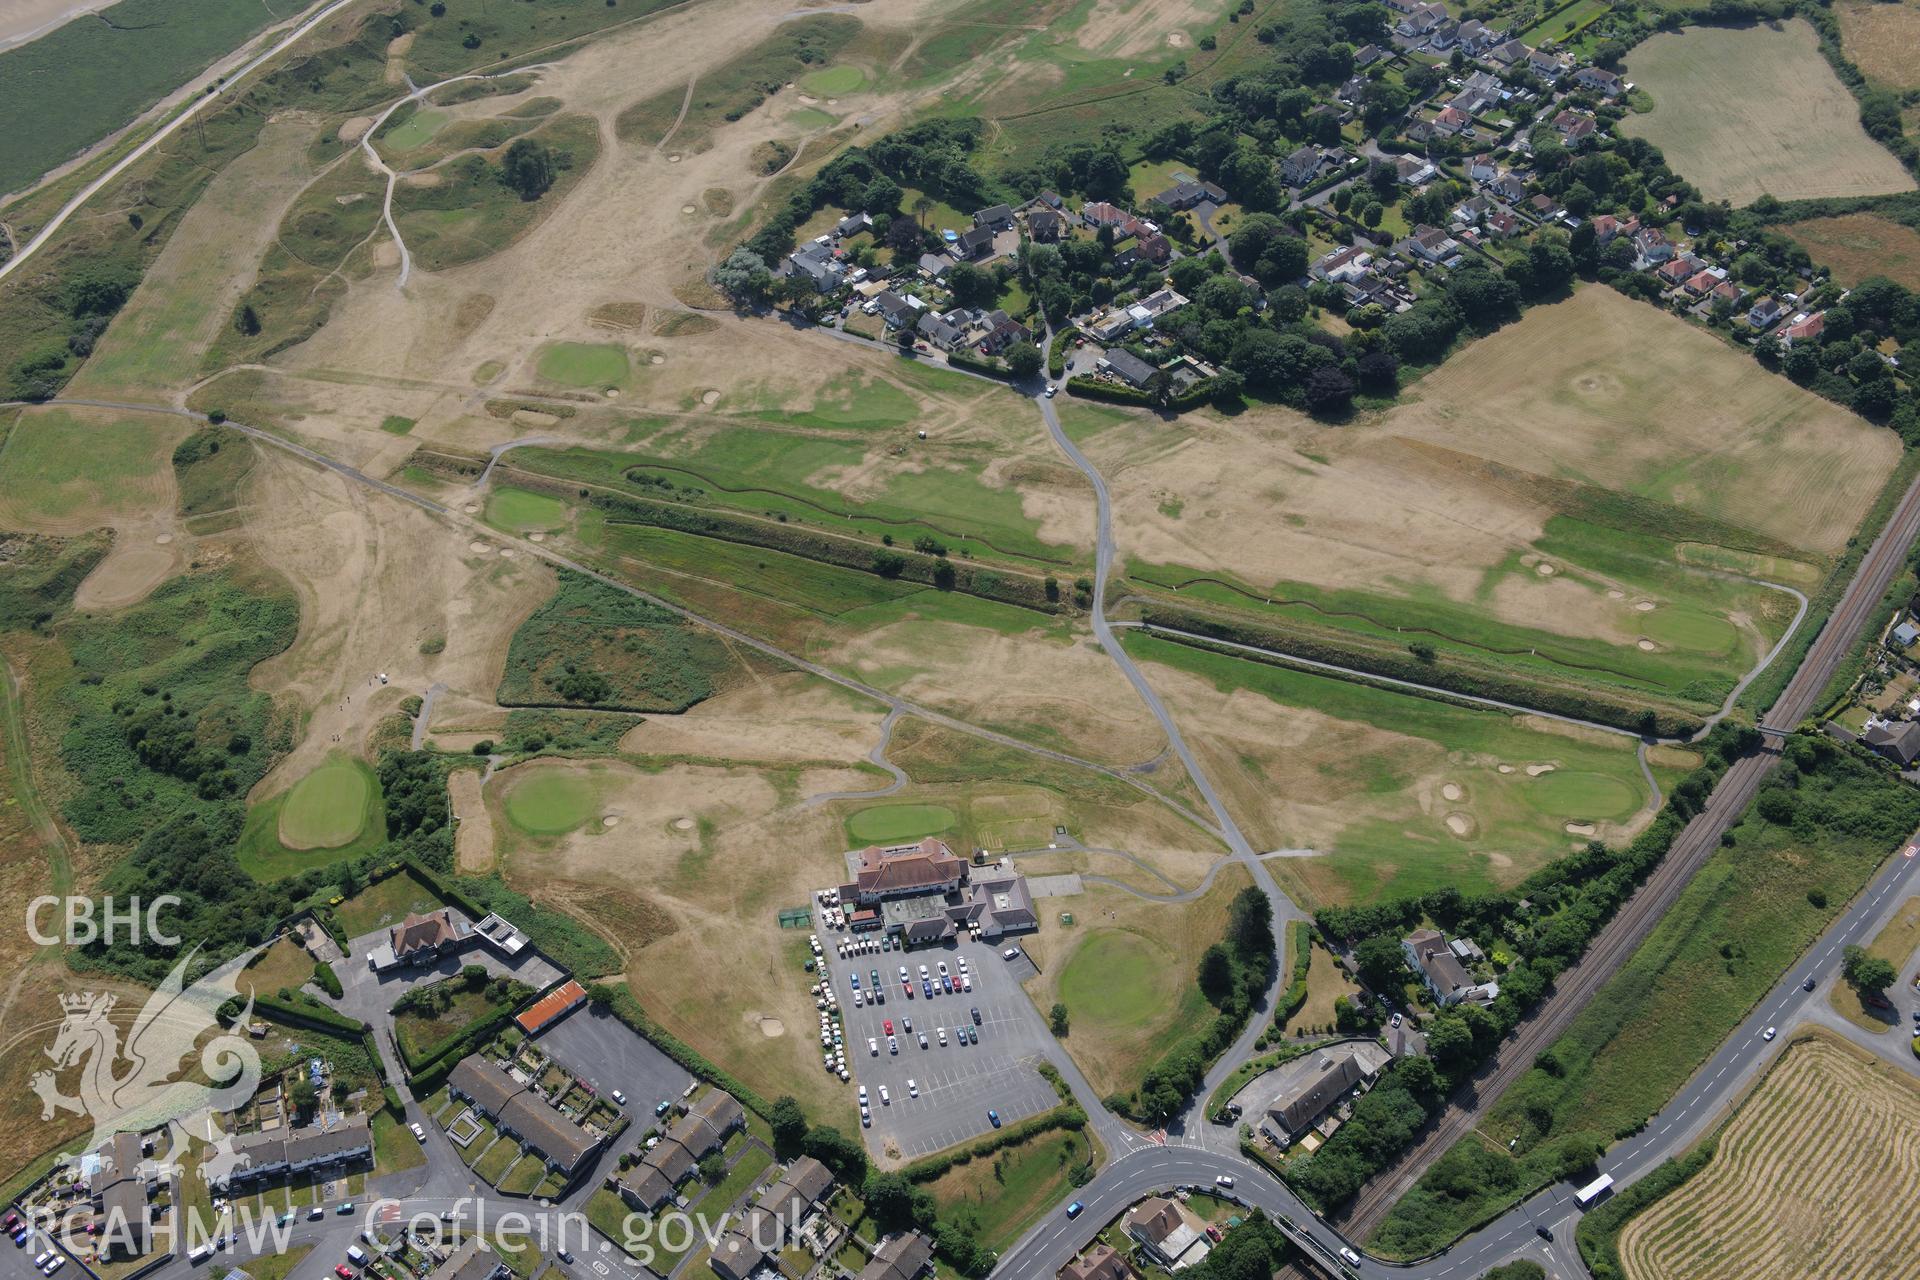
(1634, 921)
(1815, 1177)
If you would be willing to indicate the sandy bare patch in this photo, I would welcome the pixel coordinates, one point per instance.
(473, 837)
(787, 719)
(1506, 768)
(351, 131)
(386, 254)
(710, 397)
(163, 539)
(534, 418)
(770, 1027)
(1645, 606)
(1646, 645)
(425, 179)
(611, 820)
(139, 561)
(1544, 569)
(1451, 791)
(1581, 829)
(656, 358)
(508, 553)
(1460, 824)
(1536, 770)
(480, 548)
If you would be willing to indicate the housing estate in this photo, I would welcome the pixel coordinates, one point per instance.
(777, 1217)
(120, 1180)
(702, 1130)
(520, 1113)
(900, 1257)
(285, 1153)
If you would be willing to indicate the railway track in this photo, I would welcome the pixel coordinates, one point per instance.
(1623, 934)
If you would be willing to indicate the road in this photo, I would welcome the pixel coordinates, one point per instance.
(1635, 920)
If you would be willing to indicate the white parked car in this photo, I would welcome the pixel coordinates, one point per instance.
(942, 1032)
(873, 1046)
(886, 1100)
(913, 1090)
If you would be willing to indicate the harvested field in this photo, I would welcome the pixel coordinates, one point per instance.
(1880, 39)
(1743, 112)
(1815, 1177)
(1858, 245)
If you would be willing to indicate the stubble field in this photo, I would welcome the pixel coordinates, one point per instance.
(1814, 1177)
(1748, 111)
(1858, 245)
(1880, 38)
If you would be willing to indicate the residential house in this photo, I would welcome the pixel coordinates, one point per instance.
(1444, 34)
(1367, 54)
(1420, 21)
(118, 1186)
(1403, 6)
(1101, 1262)
(1186, 193)
(941, 332)
(1311, 1092)
(1904, 635)
(1508, 53)
(644, 1187)
(1543, 207)
(1765, 313)
(1704, 281)
(1342, 265)
(423, 938)
(1482, 169)
(1432, 244)
(1129, 368)
(473, 1259)
(1111, 325)
(1600, 81)
(1476, 37)
(1445, 977)
(1002, 333)
(774, 1220)
(901, 1257)
(1471, 210)
(1163, 1233)
(1803, 329)
(994, 218)
(1415, 171)
(1674, 271)
(1099, 213)
(898, 310)
(1478, 92)
(1502, 223)
(280, 1153)
(1606, 227)
(1301, 167)
(1545, 65)
(518, 1112)
(853, 224)
(1144, 248)
(1452, 120)
(1154, 305)
(1898, 741)
(1576, 126)
(819, 265)
(934, 266)
(1045, 225)
(1651, 247)
(1728, 292)
(1508, 187)
(1420, 133)
(974, 243)
(1052, 200)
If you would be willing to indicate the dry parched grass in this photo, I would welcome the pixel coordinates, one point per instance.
(1815, 1177)
(1880, 39)
(1750, 111)
(1858, 245)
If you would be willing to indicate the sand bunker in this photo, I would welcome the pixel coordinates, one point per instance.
(1506, 768)
(471, 508)
(508, 553)
(163, 540)
(674, 158)
(687, 208)
(1646, 644)
(611, 820)
(656, 359)
(536, 537)
(1535, 770)
(1644, 606)
(772, 1028)
(533, 418)
(1614, 593)
(1581, 828)
(1544, 569)
(710, 397)
(683, 824)
(1451, 791)
(479, 548)
(1460, 824)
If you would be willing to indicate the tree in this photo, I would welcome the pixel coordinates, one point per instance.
(789, 1125)
(713, 1168)
(1216, 973)
(1329, 390)
(1381, 962)
(1023, 359)
(972, 286)
(1057, 1020)
(881, 196)
(1449, 1041)
(744, 277)
(248, 321)
(834, 1149)
(527, 168)
(305, 1097)
(1865, 972)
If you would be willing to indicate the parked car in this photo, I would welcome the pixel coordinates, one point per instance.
(893, 1045)
(1223, 1180)
(344, 1271)
(886, 1100)
(661, 1108)
(873, 1046)
(318, 1211)
(993, 1117)
(419, 1134)
(887, 1027)
(913, 1090)
(1011, 953)
(942, 1033)
(619, 1098)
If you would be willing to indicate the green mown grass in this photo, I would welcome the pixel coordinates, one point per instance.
(54, 466)
(386, 903)
(331, 806)
(832, 82)
(413, 128)
(585, 364)
(793, 580)
(472, 215)
(1747, 917)
(895, 823)
(1118, 978)
(262, 855)
(551, 801)
(522, 511)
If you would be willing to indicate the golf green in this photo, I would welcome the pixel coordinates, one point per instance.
(552, 801)
(523, 511)
(811, 118)
(893, 823)
(1683, 628)
(1117, 979)
(415, 130)
(585, 364)
(1581, 796)
(328, 807)
(831, 82)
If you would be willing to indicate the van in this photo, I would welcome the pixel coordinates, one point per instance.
(356, 1255)
(200, 1254)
